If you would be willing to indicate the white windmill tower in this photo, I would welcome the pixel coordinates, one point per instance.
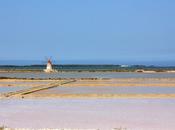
(49, 68)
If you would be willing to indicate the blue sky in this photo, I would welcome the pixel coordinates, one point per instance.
(108, 31)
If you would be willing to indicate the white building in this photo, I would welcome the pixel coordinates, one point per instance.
(49, 68)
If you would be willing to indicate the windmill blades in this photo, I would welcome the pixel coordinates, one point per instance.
(45, 61)
(54, 62)
(50, 59)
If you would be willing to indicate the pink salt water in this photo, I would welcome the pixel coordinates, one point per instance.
(105, 114)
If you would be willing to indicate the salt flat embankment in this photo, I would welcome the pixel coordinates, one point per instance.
(93, 88)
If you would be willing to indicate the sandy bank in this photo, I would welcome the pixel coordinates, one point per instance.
(93, 96)
(93, 83)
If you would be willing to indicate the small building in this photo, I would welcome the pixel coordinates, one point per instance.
(49, 68)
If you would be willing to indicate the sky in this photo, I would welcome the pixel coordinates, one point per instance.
(88, 31)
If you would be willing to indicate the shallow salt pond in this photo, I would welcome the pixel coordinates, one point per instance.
(102, 114)
(95, 90)
(25, 82)
(109, 90)
(11, 89)
(88, 75)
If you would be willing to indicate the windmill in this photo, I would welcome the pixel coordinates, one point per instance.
(49, 68)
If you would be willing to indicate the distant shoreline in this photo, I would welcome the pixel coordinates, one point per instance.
(89, 68)
(91, 71)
